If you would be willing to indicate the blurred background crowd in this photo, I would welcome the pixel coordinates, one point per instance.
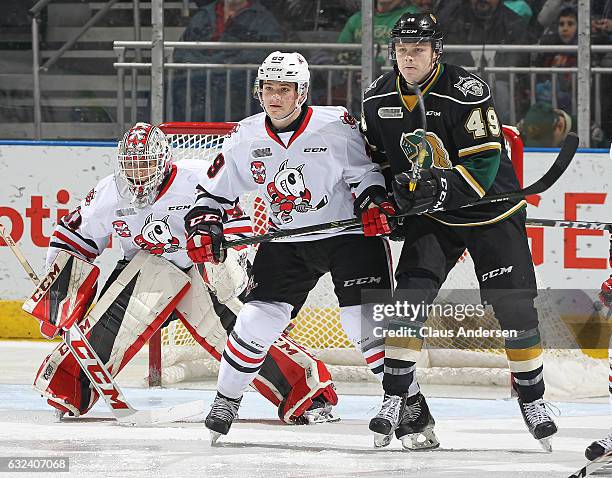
(543, 105)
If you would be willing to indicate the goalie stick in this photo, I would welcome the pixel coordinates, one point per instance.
(563, 160)
(598, 465)
(99, 376)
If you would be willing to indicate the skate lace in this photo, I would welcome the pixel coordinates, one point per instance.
(390, 408)
(606, 442)
(225, 409)
(539, 411)
(412, 412)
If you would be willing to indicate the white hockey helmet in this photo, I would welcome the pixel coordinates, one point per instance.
(143, 160)
(290, 67)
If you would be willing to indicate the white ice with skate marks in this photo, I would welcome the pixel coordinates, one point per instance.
(259, 445)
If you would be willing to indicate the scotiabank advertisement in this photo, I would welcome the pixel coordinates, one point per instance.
(42, 183)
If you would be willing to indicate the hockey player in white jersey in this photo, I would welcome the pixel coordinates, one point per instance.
(308, 164)
(144, 204)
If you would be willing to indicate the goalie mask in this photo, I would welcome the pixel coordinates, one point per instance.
(289, 67)
(144, 159)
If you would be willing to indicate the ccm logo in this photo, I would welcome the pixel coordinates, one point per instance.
(362, 281)
(45, 283)
(496, 272)
(179, 208)
(315, 150)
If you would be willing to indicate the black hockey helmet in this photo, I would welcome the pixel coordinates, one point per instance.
(415, 28)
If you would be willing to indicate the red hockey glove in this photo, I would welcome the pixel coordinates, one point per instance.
(605, 295)
(204, 235)
(375, 209)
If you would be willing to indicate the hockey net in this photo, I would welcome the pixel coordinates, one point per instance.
(317, 326)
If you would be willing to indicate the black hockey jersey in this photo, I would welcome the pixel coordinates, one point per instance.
(463, 134)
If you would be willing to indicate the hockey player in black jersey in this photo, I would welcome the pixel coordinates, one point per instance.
(464, 160)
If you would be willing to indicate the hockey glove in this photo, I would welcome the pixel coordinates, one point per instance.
(605, 295)
(430, 194)
(375, 209)
(204, 235)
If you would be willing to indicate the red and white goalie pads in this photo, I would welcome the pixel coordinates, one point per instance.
(135, 305)
(290, 376)
(63, 294)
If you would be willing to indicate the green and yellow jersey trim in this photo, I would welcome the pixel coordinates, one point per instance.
(479, 148)
(411, 101)
(465, 174)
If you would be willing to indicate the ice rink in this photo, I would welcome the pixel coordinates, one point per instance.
(480, 437)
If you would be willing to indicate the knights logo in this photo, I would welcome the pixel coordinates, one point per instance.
(121, 228)
(156, 236)
(469, 85)
(436, 154)
(258, 170)
(288, 193)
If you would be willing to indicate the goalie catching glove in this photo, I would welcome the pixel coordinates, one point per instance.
(374, 208)
(204, 229)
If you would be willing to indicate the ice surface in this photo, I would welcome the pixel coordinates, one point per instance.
(479, 437)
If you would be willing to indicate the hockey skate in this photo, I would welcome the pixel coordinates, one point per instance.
(416, 425)
(387, 419)
(319, 412)
(221, 416)
(539, 422)
(599, 448)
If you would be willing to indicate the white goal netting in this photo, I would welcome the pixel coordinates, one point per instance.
(568, 372)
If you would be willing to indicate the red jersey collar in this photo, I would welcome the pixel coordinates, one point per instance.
(295, 134)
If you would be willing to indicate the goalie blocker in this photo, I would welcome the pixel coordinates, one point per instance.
(137, 299)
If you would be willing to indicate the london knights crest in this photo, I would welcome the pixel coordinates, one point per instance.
(471, 85)
(435, 152)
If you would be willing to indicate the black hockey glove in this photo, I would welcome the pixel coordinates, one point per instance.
(431, 192)
(375, 209)
(204, 235)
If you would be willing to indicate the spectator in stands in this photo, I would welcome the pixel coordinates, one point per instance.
(481, 22)
(386, 14)
(564, 32)
(546, 127)
(224, 21)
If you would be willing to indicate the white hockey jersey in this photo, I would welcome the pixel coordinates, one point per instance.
(305, 177)
(158, 228)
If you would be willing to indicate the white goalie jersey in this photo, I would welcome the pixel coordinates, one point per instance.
(306, 177)
(158, 228)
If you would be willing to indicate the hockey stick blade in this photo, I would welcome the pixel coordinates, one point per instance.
(156, 416)
(604, 461)
(563, 160)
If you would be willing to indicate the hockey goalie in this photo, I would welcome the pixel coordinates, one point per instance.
(143, 203)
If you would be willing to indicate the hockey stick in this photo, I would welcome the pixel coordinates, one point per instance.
(563, 160)
(592, 466)
(99, 376)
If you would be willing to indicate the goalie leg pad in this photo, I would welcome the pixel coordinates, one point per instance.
(291, 377)
(144, 294)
